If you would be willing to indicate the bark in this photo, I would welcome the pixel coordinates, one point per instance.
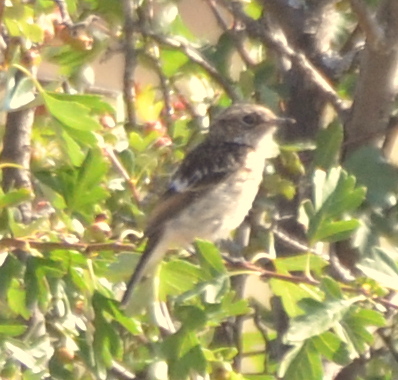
(16, 150)
(376, 87)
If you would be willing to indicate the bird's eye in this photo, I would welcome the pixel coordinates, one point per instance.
(250, 119)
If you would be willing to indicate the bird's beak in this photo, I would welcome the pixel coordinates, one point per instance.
(284, 121)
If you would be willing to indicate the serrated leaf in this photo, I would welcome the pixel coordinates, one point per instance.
(302, 362)
(320, 317)
(335, 231)
(379, 177)
(369, 317)
(331, 347)
(291, 293)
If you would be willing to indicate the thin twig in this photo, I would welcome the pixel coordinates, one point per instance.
(25, 244)
(164, 88)
(118, 165)
(236, 36)
(295, 243)
(63, 9)
(247, 267)
(194, 55)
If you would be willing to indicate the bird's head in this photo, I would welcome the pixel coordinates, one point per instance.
(246, 124)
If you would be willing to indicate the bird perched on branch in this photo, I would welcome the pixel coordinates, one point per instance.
(213, 189)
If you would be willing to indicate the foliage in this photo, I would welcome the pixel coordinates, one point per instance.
(96, 178)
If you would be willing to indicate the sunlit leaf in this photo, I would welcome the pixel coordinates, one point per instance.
(71, 113)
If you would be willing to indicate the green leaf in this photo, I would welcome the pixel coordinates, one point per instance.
(291, 293)
(104, 304)
(291, 162)
(16, 300)
(369, 317)
(335, 231)
(107, 342)
(373, 171)
(335, 195)
(320, 317)
(303, 362)
(253, 9)
(21, 94)
(228, 307)
(178, 276)
(71, 148)
(331, 288)
(172, 61)
(328, 146)
(94, 102)
(356, 330)
(11, 329)
(15, 197)
(71, 113)
(381, 267)
(192, 317)
(210, 259)
(300, 263)
(10, 268)
(184, 354)
(331, 347)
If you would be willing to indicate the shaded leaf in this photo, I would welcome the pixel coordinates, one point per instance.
(328, 146)
(373, 171)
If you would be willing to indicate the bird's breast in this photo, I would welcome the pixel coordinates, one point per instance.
(212, 215)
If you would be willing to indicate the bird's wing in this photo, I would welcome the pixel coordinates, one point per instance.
(201, 169)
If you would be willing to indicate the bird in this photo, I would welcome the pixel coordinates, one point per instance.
(213, 189)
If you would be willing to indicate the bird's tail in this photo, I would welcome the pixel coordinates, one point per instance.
(146, 268)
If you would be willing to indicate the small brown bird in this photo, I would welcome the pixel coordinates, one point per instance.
(213, 189)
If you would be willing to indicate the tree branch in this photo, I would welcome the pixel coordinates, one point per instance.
(130, 62)
(376, 89)
(257, 30)
(368, 24)
(197, 58)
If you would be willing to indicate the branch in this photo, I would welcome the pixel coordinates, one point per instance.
(130, 62)
(368, 24)
(17, 144)
(237, 38)
(256, 29)
(63, 9)
(118, 165)
(376, 89)
(197, 58)
(25, 244)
